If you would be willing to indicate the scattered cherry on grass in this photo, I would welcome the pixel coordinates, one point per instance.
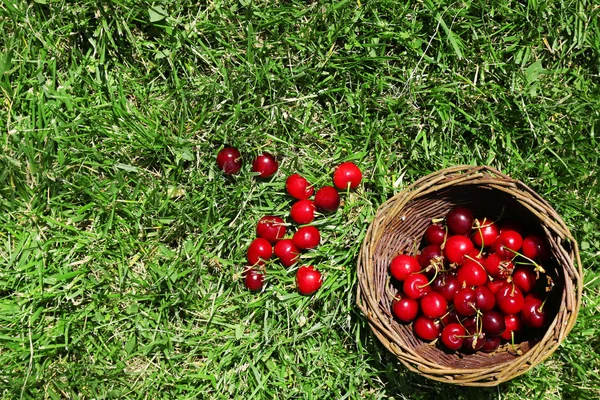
(298, 187)
(433, 305)
(508, 244)
(460, 220)
(525, 278)
(426, 328)
(308, 280)
(465, 302)
(416, 286)
(303, 212)
(447, 285)
(405, 309)
(435, 234)
(509, 299)
(453, 336)
(457, 246)
(347, 175)
(493, 323)
(271, 228)
(471, 274)
(307, 237)
(253, 280)
(485, 300)
(327, 199)
(229, 160)
(514, 325)
(259, 251)
(403, 265)
(535, 248)
(287, 252)
(497, 267)
(486, 232)
(265, 165)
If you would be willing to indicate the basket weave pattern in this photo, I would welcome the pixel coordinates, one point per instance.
(400, 223)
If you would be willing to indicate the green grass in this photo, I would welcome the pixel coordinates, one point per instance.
(122, 244)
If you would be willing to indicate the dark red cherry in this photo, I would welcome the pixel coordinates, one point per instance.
(465, 302)
(493, 323)
(435, 234)
(460, 220)
(447, 285)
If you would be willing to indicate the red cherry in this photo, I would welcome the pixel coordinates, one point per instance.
(514, 325)
(303, 212)
(495, 285)
(457, 247)
(229, 160)
(346, 175)
(431, 255)
(435, 234)
(507, 244)
(307, 237)
(447, 285)
(465, 302)
(308, 280)
(509, 299)
(497, 267)
(259, 251)
(533, 313)
(426, 328)
(253, 280)
(459, 220)
(491, 344)
(287, 252)
(433, 305)
(474, 343)
(471, 274)
(453, 336)
(493, 323)
(405, 309)
(298, 187)
(485, 300)
(265, 165)
(486, 232)
(525, 278)
(327, 199)
(271, 228)
(416, 286)
(449, 318)
(535, 247)
(403, 266)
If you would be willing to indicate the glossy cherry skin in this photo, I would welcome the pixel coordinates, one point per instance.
(507, 244)
(253, 280)
(426, 328)
(447, 285)
(460, 220)
(259, 251)
(303, 212)
(496, 284)
(308, 280)
(498, 267)
(514, 325)
(453, 336)
(327, 199)
(535, 247)
(307, 237)
(490, 344)
(347, 175)
(229, 160)
(449, 318)
(265, 165)
(287, 252)
(431, 255)
(485, 300)
(533, 313)
(465, 302)
(405, 309)
(298, 187)
(493, 323)
(485, 232)
(403, 265)
(416, 286)
(456, 248)
(509, 299)
(525, 278)
(435, 234)
(471, 274)
(271, 228)
(433, 305)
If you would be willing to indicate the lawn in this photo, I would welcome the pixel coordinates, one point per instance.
(122, 244)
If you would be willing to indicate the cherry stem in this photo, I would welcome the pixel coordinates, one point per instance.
(472, 259)
(389, 291)
(431, 281)
(538, 267)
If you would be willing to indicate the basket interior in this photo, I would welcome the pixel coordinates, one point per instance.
(403, 233)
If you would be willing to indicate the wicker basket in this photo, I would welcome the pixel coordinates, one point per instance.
(402, 220)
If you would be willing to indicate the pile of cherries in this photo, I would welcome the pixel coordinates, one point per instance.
(271, 230)
(475, 283)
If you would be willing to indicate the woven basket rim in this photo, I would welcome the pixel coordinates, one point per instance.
(480, 177)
